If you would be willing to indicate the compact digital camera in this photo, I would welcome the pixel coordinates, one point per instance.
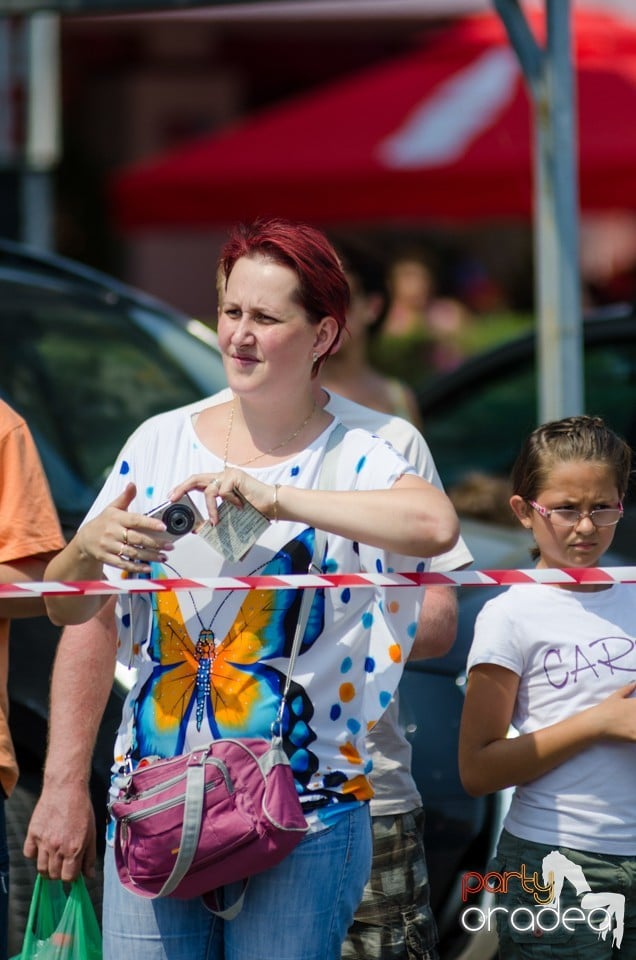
(180, 517)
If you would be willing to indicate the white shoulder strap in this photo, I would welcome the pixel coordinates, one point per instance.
(326, 481)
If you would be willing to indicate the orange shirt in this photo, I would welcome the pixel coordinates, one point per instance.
(28, 527)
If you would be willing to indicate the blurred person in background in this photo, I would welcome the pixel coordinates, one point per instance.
(394, 920)
(29, 537)
(423, 330)
(349, 371)
(484, 497)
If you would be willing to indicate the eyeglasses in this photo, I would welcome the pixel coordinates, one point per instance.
(569, 517)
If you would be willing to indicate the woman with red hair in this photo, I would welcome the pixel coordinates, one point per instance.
(284, 299)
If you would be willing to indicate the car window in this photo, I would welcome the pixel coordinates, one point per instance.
(481, 424)
(610, 374)
(85, 371)
(479, 427)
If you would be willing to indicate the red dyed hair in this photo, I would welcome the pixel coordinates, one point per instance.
(323, 290)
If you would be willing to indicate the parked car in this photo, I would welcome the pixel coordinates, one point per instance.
(85, 359)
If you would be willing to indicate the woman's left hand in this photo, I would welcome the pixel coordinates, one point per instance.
(233, 485)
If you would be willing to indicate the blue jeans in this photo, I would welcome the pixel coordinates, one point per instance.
(298, 910)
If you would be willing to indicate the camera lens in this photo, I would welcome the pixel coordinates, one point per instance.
(179, 519)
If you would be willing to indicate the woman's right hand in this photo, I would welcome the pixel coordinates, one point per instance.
(130, 541)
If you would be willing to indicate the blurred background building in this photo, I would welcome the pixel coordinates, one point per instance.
(134, 87)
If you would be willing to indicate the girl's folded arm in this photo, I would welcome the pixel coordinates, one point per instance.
(490, 760)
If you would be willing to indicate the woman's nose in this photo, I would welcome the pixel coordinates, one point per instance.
(242, 331)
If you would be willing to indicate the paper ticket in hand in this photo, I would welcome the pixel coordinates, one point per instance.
(237, 530)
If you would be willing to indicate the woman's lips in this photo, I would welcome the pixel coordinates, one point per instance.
(244, 359)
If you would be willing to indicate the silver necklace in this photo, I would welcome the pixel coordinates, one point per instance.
(265, 453)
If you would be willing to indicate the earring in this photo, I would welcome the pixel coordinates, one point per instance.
(315, 357)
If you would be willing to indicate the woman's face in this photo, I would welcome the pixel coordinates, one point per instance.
(264, 333)
(582, 485)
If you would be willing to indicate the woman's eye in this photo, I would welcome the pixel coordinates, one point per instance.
(232, 312)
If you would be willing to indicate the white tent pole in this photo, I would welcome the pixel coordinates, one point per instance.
(549, 73)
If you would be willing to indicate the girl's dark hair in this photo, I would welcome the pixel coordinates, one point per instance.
(573, 438)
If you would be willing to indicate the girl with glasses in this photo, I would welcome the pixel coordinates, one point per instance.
(558, 664)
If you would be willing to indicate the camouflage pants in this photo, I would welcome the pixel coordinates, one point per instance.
(394, 920)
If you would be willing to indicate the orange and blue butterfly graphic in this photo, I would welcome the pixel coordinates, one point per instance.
(228, 685)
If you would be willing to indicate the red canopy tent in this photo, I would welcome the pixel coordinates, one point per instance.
(442, 133)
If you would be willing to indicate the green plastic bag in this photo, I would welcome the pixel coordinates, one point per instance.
(61, 926)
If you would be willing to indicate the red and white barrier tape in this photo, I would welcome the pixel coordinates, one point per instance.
(461, 578)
